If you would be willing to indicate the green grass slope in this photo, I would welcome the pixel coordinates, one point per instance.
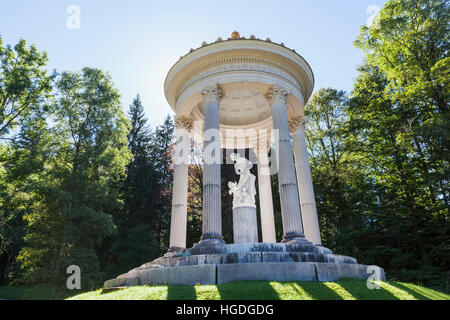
(346, 289)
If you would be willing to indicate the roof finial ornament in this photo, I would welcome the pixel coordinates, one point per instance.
(235, 35)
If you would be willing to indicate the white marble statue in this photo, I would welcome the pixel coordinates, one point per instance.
(243, 192)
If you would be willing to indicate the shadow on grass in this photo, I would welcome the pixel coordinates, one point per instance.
(360, 291)
(181, 293)
(34, 293)
(19, 293)
(419, 292)
(251, 290)
(318, 291)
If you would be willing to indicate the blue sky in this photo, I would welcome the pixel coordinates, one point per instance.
(137, 41)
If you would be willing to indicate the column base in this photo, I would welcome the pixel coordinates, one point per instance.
(211, 238)
(294, 237)
(175, 249)
(210, 244)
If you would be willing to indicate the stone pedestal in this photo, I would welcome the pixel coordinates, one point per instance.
(299, 261)
(245, 227)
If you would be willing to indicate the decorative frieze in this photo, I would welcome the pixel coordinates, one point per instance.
(233, 59)
(248, 64)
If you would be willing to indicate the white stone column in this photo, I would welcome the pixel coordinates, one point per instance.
(304, 181)
(265, 194)
(290, 204)
(178, 220)
(212, 157)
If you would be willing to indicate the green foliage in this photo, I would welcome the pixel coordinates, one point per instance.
(136, 242)
(400, 116)
(72, 207)
(379, 158)
(71, 192)
(24, 88)
(342, 194)
(410, 46)
(160, 154)
(195, 195)
(24, 83)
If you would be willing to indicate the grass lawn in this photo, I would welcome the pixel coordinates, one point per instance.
(346, 289)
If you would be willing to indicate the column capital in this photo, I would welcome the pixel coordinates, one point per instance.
(183, 122)
(212, 92)
(276, 92)
(298, 123)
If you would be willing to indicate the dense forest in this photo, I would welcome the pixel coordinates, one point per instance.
(83, 182)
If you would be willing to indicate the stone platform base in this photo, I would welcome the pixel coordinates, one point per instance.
(246, 262)
(263, 271)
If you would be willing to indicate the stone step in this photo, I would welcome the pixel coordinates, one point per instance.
(242, 253)
(245, 257)
(266, 271)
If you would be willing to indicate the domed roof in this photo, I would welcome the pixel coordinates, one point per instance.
(245, 69)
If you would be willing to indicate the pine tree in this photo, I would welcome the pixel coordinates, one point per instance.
(136, 243)
(161, 150)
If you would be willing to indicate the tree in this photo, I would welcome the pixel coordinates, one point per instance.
(401, 106)
(161, 150)
(24, 91)
(24, 83)
(340, 185)
(136, 242)
(195, 195)
(409, 233)
(72, 207)
(410, 47)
